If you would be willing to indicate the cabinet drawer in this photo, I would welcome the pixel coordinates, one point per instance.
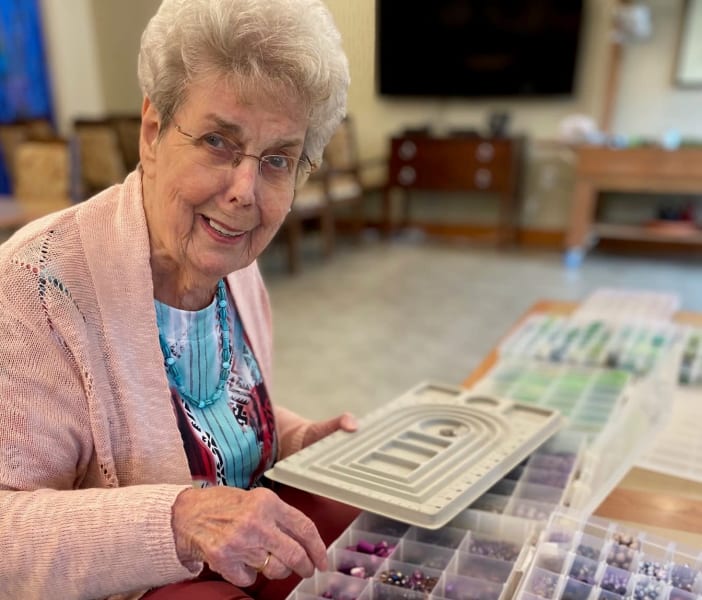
(452, 163)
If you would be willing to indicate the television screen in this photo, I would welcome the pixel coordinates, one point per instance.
(476, 48)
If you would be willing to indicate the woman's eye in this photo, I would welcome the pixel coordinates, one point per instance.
(279, 162)
(215, 141)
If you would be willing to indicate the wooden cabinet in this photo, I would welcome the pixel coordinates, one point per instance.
(460, 163)
(644, 170)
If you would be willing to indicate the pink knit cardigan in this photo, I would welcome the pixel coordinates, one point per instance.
(91, 458)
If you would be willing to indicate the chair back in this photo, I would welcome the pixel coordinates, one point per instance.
(341, 164)
(13, 134)
(100, 158)
(43, 174)
(341, 153)
(336, 183)
(39, 129)
(128, 129)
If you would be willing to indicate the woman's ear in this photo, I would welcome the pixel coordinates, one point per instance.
(148, 138)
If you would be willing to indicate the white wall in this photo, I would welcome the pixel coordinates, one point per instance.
(648, 102)
(92, 48)
(73, 61)
(93, 44)
(118, 25)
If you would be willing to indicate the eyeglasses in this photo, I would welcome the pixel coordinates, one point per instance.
(278, 170)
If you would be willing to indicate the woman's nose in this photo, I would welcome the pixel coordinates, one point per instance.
(243, 179)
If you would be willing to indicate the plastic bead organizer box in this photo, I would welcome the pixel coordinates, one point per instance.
(486, 494)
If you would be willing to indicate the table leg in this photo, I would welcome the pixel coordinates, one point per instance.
(386, 225)
(581, 217)
(506, 228)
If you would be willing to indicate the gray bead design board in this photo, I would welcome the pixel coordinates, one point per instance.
(423, 457)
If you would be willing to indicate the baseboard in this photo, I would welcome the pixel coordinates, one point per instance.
(542, 238)
(531, 237)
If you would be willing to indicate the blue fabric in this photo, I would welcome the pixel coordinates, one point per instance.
(24, 81)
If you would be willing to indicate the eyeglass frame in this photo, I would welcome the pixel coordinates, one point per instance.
(240, 155)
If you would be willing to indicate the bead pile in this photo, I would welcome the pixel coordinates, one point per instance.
(583, 570)
(588, 551)
(649, 589)
(494, 549)
(382, 548)
(622, 555)
(683, 577)
(654, 569)
(575, 591)
(596, 561)
(544, 584)
(417, 581)
(615, 581)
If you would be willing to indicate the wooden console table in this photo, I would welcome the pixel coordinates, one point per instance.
(458, 163)
(635, 170)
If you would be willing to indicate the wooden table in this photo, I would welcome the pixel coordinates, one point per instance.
(642, 170)
(660, 504)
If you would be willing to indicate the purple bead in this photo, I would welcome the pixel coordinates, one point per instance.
(615, 581)
(365, 547)
(683, 577)
(648, 589)
(359, 572)
(654, 569)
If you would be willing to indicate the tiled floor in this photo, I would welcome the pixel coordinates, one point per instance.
(359, 329)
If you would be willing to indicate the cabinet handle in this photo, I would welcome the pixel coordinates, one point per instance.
(406, 175)
(407, 150)
(485, 152)
(483, 179)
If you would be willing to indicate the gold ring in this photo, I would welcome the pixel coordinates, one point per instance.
(265, 563)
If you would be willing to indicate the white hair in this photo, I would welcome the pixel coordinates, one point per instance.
(269, 46)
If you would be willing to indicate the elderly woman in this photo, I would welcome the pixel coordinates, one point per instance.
(135, 413)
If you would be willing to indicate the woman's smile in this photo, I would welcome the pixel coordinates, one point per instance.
(220, 232)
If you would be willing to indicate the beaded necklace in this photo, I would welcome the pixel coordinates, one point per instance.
(170, 362)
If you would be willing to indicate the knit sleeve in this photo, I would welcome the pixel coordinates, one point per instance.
(58, 541)
(291, 431)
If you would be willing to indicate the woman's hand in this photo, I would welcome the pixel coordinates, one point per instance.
(235, 530)
(316, 431)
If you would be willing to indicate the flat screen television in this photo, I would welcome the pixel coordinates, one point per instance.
(477, 48)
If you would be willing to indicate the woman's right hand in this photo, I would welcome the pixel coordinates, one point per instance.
(234, 530)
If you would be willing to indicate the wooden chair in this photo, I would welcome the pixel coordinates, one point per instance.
(128, 129)
(43, 176)
(13, 134)
(311, 204)
(343, 174)
(39, 129)
(336, 184)
(100, 158)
